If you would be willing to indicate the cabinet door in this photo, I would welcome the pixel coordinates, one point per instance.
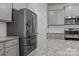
(5, 11)
(60, 17)
(52, 17)
(2, 49)
(12, 51)
(56, 17)
(1, 46)
(1, 52)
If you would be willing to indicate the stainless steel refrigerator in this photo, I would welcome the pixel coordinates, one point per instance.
(24, 25)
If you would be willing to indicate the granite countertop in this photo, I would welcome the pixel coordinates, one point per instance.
(7, 38)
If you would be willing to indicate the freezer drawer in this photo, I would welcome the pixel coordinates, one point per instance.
(27, 50)
(24, 50)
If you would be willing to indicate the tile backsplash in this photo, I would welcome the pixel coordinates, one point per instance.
(2, 29)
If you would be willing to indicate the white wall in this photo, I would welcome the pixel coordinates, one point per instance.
(41, 10)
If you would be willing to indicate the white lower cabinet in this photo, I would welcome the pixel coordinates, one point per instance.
(1, 46)
(12, 51)
(9, 48)
(1, 49)
(2, 53)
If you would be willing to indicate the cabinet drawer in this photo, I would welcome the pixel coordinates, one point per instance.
(1, 46)
(1, 53)
(11, 43)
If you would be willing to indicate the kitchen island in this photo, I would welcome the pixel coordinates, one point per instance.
(9, 46)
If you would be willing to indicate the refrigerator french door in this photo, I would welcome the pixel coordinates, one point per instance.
(24, 25)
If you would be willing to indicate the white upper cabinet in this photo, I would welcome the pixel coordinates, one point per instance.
(5, 12)
(56, 17)
(52, 17)
(60, 17)
(71, 10)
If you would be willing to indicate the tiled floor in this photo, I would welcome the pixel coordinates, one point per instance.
(58, 47)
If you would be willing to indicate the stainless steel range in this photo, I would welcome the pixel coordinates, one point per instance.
(72, 28)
